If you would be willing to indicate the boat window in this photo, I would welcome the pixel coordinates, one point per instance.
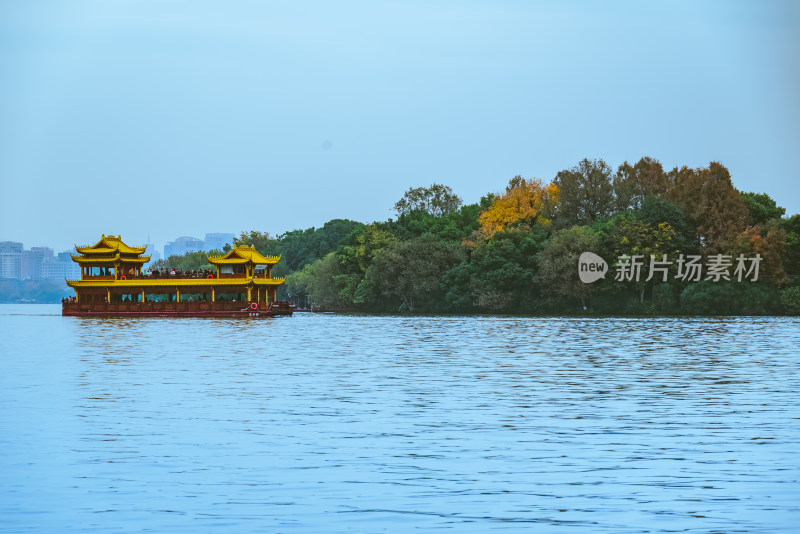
(101, 271)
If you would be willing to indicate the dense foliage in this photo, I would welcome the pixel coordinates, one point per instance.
(190, 260)
(33, 291)
(517, 251)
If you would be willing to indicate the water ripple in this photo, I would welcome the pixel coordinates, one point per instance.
(349, 423)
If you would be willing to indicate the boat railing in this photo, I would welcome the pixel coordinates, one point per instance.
(176, 276)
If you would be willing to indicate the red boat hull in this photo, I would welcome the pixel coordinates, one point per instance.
(175, 309)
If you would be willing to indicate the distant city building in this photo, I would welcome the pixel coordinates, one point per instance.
(217, 241)
(32, 262)
(10, 260)
(51, 268)
(38, 263)
(186, 244)
(71, 270)
(183, 245)
(150, 250)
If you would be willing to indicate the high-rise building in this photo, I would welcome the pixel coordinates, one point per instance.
(10, 260)
(38, 263)
(33, 260)
(183, 245)
(71, 270)
(217, 241)
(150, 250)
(51, 268)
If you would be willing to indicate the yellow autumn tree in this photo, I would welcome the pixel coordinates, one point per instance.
(524, 201)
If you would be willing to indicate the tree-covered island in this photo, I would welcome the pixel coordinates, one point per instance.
(517, 251)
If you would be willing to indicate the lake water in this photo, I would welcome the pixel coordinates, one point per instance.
(345, 423)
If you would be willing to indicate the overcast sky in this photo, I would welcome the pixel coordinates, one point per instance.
(168, 118)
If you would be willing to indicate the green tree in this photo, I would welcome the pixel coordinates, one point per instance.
(356, 257)
(504, 271)
(655, 210)
(632, 183)
(361, 249)
(558, 262)
(301, 247)
(585, 193)
(791, 257)
(298, 248)
(729, 298)
(436, 200)
(761, 208)
(458, 283)
(191, 260)
(790, 299)
(319, 281)
(456, 225)
(412, 270)
(262, 241)
(628, 235)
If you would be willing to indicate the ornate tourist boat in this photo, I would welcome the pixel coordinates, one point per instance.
(114, 284)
